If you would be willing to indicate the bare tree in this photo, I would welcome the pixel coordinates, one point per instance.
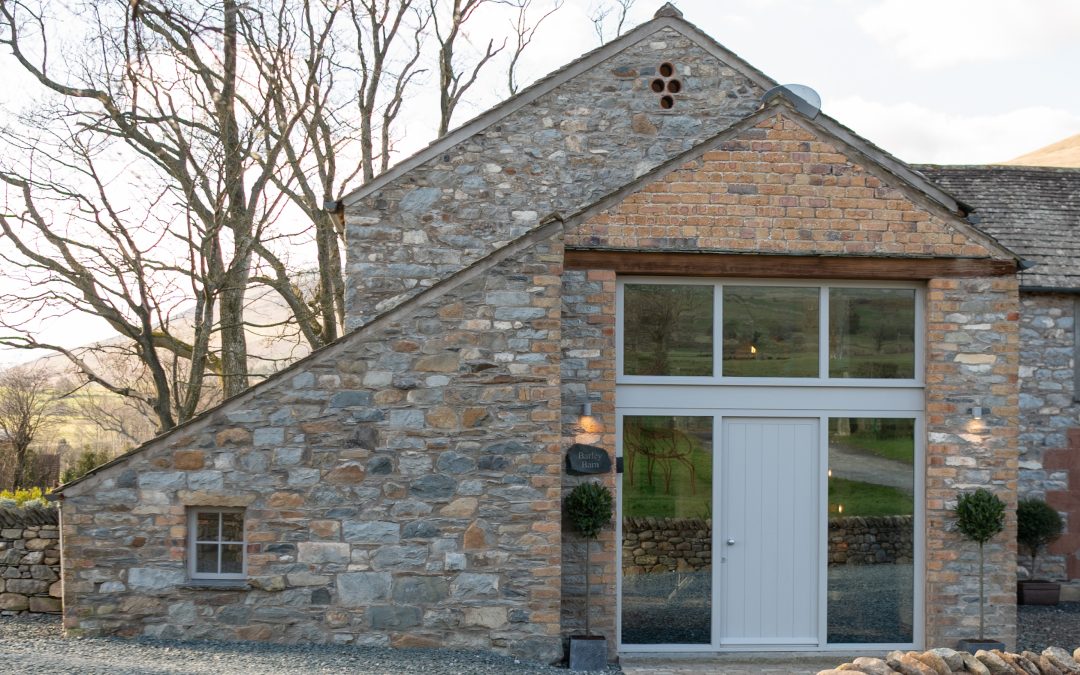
(609, 17)
(524, 30)
(26, 407)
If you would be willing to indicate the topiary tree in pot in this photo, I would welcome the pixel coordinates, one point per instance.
(589, 508)
(1037, 525)
(980, 515)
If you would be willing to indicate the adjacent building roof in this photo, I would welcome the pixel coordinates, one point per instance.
(1034, 211)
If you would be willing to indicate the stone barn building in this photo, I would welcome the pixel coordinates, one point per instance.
(796, 348)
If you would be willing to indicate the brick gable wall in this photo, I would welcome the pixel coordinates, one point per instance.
(775, 188)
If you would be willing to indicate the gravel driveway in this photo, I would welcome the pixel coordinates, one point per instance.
(34, 645)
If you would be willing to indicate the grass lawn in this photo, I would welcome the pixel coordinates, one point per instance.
(901, 449)
(866, 499)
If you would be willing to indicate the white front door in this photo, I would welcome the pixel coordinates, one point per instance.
(768, 538)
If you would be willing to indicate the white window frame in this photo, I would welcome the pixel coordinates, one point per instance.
(192, 528)
(822, 380)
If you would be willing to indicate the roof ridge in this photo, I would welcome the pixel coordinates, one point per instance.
(547, 226)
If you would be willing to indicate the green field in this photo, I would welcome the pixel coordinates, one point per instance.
(867, 499)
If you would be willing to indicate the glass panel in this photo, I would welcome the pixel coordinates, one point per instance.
(871, 530)
(770, 331)
(232, 527)
(872, 332)
(667, 530)
(668, 329)
(232, 559)
(206, 528)
(206, 558)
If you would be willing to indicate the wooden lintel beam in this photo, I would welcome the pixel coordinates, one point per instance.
(784, 266)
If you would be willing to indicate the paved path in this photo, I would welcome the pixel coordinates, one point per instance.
(731, 664)
(861, 466)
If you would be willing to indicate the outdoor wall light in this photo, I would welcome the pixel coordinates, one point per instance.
(586, 409)
(976, 413)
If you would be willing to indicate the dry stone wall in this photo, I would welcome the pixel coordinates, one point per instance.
(29, 560)
(666, 544)
(878, 540)
(400, 488)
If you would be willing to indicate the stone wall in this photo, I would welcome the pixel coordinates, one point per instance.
(880, 540)
(666, 544)
(400, 487)
(29, 560)
(972, 359)
(588, 374)
(560, 153)
(1050, 420)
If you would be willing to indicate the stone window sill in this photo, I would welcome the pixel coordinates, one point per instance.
(216, 585)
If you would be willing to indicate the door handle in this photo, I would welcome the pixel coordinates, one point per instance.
(730, 542)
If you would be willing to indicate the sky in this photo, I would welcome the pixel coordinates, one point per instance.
(935, 81)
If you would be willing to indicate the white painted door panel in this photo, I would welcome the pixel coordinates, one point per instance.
(769, 537)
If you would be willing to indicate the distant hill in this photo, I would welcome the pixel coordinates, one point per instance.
(1065, 153)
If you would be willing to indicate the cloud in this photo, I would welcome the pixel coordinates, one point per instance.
(937, 34)
(918, 134)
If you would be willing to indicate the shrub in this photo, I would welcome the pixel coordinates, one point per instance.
(23, 497)
(1037, 524)
(589, 509)
(979, 516)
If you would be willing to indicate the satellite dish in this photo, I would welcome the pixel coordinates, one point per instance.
(805, 99)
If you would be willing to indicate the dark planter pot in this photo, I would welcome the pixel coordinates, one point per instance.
(1038, 592)
(588, 652)
(972, 646)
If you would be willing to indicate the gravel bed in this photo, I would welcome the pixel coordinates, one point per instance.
(33, 644)
(1043, 626)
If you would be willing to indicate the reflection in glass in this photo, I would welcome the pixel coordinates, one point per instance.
(871, 530)
(770, 331)
(232, 559)
(872, 332)
(667, 559)
(667, 329)
(206, 558)
(207, 529)
(232, 527)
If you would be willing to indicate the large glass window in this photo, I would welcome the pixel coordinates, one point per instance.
(776, 331)
(871, 530)
(667, 530)
(872, 332)
(770, 331)
(668, 329)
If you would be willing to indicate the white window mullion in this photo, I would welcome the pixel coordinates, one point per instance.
(823, 334)
(718, 331)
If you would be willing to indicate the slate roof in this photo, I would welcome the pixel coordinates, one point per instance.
(1035, 211)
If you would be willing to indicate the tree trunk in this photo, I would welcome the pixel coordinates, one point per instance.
(982, 600)
(588, 589)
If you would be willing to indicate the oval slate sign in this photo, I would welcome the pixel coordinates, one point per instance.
(582, 458)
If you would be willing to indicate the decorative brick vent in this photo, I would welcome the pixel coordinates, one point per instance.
(666, 85)
(29, 560)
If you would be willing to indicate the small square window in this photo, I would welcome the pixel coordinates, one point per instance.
(216, 547)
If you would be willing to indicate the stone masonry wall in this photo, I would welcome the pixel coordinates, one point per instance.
(562, 152)
(972, 359)
(588, 373)
(1049, 413)
(400, 488)
(29, 560)
(873, 540)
